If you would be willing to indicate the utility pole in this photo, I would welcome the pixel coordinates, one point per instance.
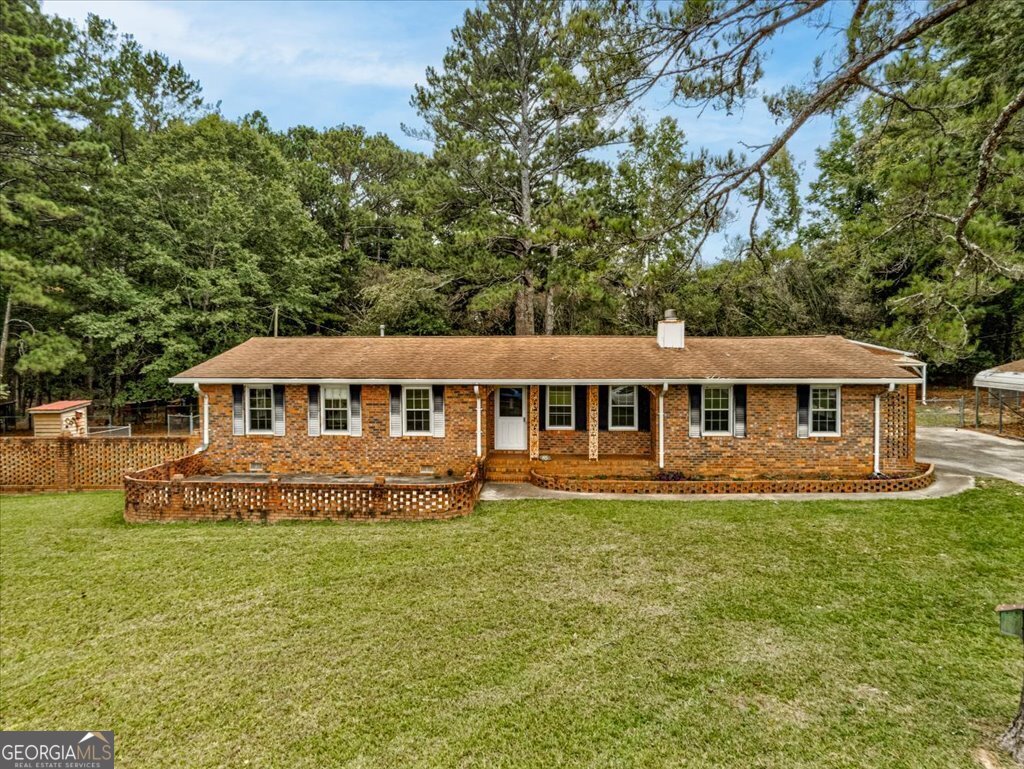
(275, 319)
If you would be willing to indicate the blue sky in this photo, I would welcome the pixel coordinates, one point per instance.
(327, 63)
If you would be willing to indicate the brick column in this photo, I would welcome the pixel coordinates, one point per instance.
(533, 419)
(63, 472)
(378, 497)
(592, 421)
(912, 425)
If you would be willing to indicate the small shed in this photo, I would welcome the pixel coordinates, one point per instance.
(60, 418)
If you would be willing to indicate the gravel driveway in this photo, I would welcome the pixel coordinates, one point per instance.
(967, 451)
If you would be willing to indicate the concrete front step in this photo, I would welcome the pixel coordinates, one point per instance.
(515, 467)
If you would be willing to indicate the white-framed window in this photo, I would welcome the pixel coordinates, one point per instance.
(259, 410)
(622, 407)
(417, 410)
(716, 410)
(825, 411)
(334, 409)
(561, 407)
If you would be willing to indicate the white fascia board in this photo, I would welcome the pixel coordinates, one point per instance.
(526, 381)
(907, 353)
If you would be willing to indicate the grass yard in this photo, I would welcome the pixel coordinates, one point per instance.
(539, 633)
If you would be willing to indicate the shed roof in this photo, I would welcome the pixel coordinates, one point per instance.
(58, 406)
(539, 359)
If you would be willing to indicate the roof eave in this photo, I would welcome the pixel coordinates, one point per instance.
(528, 381)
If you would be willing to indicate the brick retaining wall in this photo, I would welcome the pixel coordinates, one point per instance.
(164, 494)
(75, 464)
(922, 478)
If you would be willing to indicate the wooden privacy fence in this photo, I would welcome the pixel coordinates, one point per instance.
(165, 493)
(75, 464)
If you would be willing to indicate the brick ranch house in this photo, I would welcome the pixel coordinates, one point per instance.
(370, 427)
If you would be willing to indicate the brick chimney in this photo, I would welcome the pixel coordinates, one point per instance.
(671, 331)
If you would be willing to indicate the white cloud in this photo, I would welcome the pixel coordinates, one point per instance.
(260, 40)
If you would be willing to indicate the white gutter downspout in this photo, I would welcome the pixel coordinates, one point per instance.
(878, 434)
(924, 383)
(661, 425)
(479, 412)
(206, 419)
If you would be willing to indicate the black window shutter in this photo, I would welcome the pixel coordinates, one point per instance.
(803, 408)
(355, 407)
(313, 412)
(438, 393)
(396, 410)
(602, 408)
(542, 405)
(238, 409)
(695, 411)
(643, 408)
(580, 395)
(739, 411)
(278, 409)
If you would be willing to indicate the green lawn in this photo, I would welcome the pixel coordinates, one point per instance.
(646, 634)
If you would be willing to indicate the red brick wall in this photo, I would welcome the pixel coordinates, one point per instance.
(375, 452)
(771, 447)
(609, 442)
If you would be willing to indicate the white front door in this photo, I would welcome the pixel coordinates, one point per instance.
(510, 419)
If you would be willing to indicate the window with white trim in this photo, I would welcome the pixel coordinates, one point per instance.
(334, 411)
(622, 407)
(416, 407)
(716, 407)
(824, 410)
(259, 409)
(560, 407)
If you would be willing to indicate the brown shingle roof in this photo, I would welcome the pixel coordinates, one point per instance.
(58, 406)
(544, 358)
(1014, 366)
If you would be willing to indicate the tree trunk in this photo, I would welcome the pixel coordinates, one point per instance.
(549, 296)
(525, 320)
(3, 337)
(1013, 740)
(549, 311)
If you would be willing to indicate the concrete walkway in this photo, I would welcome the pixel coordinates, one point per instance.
(946, 484)
(970, 452)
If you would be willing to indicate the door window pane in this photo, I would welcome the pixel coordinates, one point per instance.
(510, 402)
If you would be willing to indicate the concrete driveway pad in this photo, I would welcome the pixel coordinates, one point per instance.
(974, 453)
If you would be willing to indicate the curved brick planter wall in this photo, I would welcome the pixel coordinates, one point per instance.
(154, 495)
(923, 478)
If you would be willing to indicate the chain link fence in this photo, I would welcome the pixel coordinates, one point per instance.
(182, 424)
(989, 411)
(942, 412)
